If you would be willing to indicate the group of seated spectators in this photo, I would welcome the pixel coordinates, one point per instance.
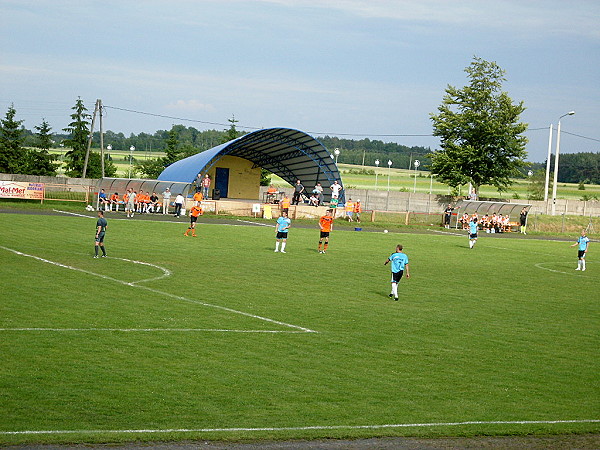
(496, 223)
(144, 202)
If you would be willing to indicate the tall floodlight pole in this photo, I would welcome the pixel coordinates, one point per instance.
(417, 163)
(389, 172)
(555, 180)
(548, 167)
(376, 174)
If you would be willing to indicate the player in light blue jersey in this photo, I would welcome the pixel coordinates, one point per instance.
(473, 232)
(399, 262)
(583, 242)
(283, 226)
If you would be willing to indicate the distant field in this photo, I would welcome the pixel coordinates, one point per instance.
(402, 179)
(218, 337)
(399, 179)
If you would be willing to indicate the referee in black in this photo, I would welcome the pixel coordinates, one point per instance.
(100, 232)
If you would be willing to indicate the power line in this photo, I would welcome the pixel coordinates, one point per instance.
(310, 132)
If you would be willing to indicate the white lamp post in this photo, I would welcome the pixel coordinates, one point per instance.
(389, 172)
(131, 150)
(337, 153)
(376, 174)
(555, 180)
(417, 164)
(548, 167)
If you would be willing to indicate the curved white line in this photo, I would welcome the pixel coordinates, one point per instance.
(156, 291)
(573, 273)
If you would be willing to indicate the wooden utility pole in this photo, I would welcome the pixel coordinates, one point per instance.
(89, 146)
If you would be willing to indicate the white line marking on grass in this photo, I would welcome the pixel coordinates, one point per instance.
(447, 232)
(256, 223)
(148, 330)
(307, 428)
(156, 291)
(572, 273)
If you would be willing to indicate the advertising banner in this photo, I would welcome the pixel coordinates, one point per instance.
(25, 190)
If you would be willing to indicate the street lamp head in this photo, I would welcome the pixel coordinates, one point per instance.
(570, 113)
(530, 173)
(417, 163)
(336, 151)
(132, 148)
(389, 162)
(377, 162)
(109, 147)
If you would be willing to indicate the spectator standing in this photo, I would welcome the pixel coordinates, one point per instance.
(298, 190)
(319, 191)
(583, 241)
(448, 215)
(399, 262)
(101, 225)
(335, 189)
(178, 204)
(166, 195)
(523, 221)
(206, 185)
(283, 226)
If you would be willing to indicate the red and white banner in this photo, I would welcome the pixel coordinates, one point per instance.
(16, 189)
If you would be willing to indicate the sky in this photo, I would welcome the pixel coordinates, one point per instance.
(347, 68)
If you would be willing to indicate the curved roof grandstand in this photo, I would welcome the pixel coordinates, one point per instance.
(290, 154)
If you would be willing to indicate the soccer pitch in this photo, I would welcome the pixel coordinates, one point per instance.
(218, 337)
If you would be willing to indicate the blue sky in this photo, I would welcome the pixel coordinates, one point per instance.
(343, 67)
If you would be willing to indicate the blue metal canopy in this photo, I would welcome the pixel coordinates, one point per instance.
(290, 154)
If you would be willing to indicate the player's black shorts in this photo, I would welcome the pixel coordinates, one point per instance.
(193, 219)
(281, 235)
(473, 236)
(100, 237)
(580, 254)
(396, 276)
(324, 234)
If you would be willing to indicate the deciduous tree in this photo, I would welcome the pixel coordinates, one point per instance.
(481, 135)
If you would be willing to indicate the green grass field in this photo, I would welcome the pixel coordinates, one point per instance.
(217, 337)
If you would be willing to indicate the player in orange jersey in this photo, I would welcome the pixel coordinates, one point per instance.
(198, 198)
(194, 213)
(326, 225)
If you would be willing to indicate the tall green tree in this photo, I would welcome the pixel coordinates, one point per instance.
(481, 135)
(172, 149)
(11, 139)
(44, 135)
(231, 133)
(78, 131)
(41, 162)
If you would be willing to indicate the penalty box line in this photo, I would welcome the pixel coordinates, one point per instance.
(308, 428)
(156, 291)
